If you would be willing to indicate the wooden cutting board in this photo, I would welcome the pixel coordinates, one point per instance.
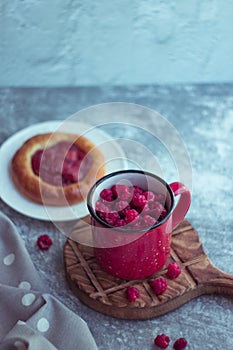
(107, 294)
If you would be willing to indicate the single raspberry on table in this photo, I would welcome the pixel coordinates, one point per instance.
(44, 242)
(162, 341)
(173, 270)
(180, 344)
(159, 285)
(132, 293)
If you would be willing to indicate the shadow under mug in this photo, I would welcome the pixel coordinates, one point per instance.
(135, 254)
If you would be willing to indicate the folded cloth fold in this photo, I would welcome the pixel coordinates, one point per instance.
(29, 317)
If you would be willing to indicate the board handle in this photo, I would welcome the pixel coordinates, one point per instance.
(222, 283)
(211, 279)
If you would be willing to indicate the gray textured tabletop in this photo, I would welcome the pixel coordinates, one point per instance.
(203, 117)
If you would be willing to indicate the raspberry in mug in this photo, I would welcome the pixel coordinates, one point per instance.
(130, 207)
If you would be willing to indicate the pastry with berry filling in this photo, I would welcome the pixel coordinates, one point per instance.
(57, 168)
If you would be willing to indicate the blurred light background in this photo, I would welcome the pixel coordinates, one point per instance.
(118, 42)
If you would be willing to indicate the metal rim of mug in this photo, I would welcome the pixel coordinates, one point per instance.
(128, 171)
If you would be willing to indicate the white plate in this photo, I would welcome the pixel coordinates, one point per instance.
(113, 153)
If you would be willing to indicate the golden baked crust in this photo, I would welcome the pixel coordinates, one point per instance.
(33, 187)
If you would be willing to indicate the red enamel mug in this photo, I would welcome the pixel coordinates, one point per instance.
(130, 253)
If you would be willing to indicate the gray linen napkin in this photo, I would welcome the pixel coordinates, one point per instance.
(30, 318)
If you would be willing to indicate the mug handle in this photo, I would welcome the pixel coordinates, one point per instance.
(183, 204)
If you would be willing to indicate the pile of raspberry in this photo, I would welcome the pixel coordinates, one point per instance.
(123, 205)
